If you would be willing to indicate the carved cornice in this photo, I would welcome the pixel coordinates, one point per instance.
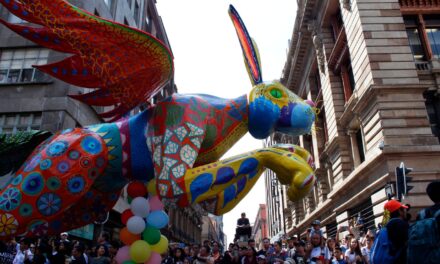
(314, 28)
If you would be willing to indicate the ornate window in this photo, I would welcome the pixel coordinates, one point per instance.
(16, 65)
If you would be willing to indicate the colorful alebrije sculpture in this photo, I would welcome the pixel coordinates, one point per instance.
(174, 146)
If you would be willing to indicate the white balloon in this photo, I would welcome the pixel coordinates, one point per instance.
(140, 206)
(136, 224)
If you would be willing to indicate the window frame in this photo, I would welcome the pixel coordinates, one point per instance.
(14, 58)
(16, 126)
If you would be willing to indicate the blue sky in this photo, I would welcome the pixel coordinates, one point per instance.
(208, 59)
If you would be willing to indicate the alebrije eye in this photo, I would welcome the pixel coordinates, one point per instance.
(276, 93)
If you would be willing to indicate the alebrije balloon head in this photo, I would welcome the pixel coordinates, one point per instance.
(272, 107)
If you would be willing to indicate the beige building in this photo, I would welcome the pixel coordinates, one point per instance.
(373, 68)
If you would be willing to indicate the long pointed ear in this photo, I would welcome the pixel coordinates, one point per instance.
(250, 50)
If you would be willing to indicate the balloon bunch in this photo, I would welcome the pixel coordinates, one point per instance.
(142, 238)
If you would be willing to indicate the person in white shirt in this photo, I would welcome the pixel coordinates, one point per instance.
(23, 252)
(353, 254)
(366, 250)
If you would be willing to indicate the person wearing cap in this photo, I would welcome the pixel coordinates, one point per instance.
(261, 259)
(316, 228)
(397, 228)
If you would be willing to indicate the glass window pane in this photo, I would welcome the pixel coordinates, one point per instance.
(434, 41)
(41, 61)
(6, 55)
(10, 120)
(17, 64)
(415, 43)
(5, 64)
(26, 75)
(13, 76)
(3, 75)
(44, 53)
(19, 54)
(31, 53)
(29, 62)
(40, 77)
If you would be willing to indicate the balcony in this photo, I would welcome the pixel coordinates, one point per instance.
(339, 52)
(423, 66)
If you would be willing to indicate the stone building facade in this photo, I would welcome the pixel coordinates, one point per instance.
(30, 99)
(373, 68)
(259, 230)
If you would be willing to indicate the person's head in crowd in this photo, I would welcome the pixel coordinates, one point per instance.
(248, 251)
(396, 209)
(64, 236)
(251, 243)
(215, 247)
(338, 253)
(179, 254)
(261, 259)
(207, 243)
(78, 251)
(231, 247)
(32, 248)
(186, 261)
(266, 243)
(113, 247)
(186, 250)
(102, 251)
(278, 246)
(316, 239)
(103, 237)
(195, 249)
(331, 243)
(355, 247)
(316, 224)
(433, 191)
(205, 251)
(236, 250)
(291, 241)
(370, 241)
(348, 239)
(300, 248)
(25, 243)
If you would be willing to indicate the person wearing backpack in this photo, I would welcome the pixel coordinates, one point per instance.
(390, 245)
(424, 235)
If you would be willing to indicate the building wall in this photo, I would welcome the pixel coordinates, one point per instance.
(364, 134)
(259, 230)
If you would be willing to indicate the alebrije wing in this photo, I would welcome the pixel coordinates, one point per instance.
(127, 64)
(249, 47)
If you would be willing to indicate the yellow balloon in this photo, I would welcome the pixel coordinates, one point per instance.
(140, 251)
(161, 246)
(151, 187)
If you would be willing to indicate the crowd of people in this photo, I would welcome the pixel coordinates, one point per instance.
(394, 242)
(58, 250)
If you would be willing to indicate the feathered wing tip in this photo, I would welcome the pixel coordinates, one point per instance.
(127, 65)
(249, 47)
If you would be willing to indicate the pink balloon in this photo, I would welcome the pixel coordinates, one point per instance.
(123, 254)
(155, 258)
(155, 203)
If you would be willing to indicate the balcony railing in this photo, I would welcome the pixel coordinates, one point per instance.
(423, 66)
(419, 3)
